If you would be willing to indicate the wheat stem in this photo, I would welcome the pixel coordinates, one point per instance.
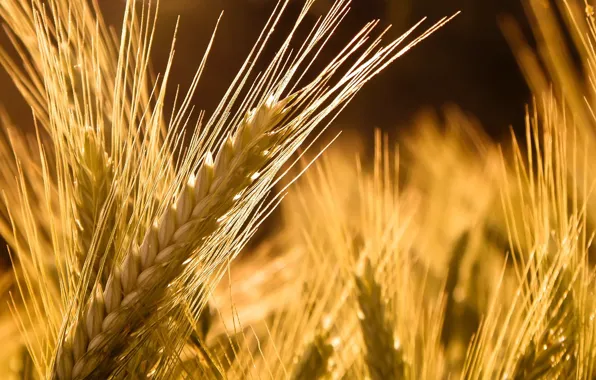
(141, 281)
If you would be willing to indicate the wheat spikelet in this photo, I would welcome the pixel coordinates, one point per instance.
(93, 183)
(314, 361)
(384, 357)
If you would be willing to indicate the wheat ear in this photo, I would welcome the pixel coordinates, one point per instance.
(94, 174)
(384, 358)
(97, 338)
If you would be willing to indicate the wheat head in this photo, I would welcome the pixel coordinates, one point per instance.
(146, 270)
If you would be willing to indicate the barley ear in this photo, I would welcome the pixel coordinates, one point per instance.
(383, 353)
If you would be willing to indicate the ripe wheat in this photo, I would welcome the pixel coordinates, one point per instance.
(138, 239)
(146, 271)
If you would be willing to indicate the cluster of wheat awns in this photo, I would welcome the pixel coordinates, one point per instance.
(119, 227)
(453, 258)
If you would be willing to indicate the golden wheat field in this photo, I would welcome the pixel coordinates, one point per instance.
(147, 238)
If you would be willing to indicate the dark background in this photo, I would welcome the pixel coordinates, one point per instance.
(468, 62)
